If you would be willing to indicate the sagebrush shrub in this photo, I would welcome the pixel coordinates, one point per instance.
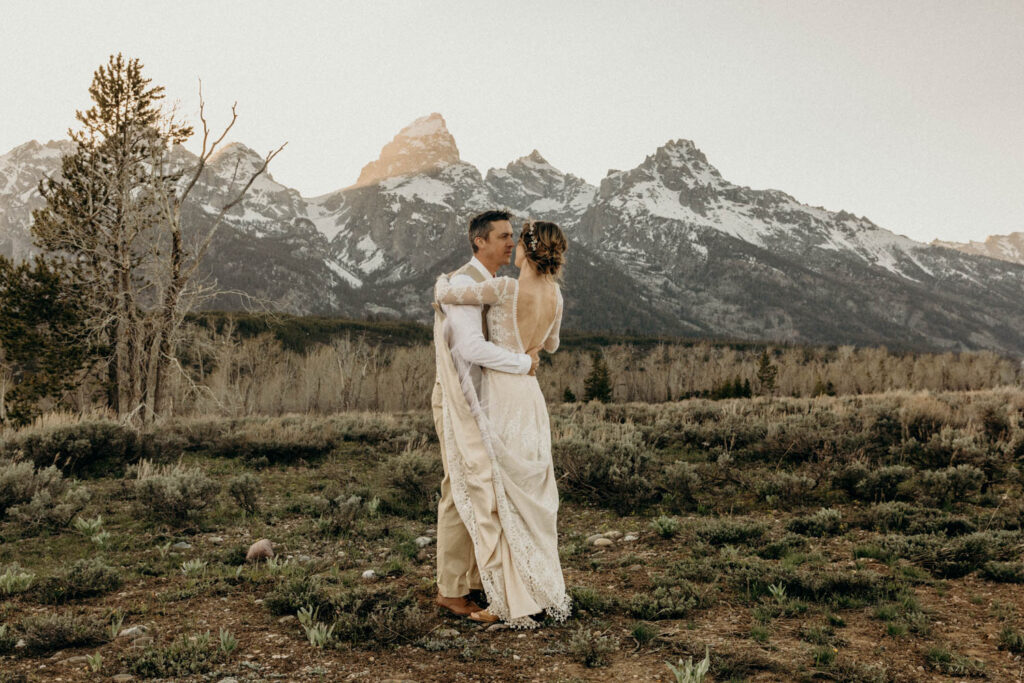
(592, 649)
(953, 484)
(244, 489)
(173, 493)
(88, 447)
(378, 618)
(883, 483)
(45, 633)
(292, 594)
(184, 656)
(84, 579)
(416, 476)
(620, 475)
(824, 522)
(37, 499)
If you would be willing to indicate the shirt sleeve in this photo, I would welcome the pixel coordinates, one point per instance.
(551, 343)
(467, 337)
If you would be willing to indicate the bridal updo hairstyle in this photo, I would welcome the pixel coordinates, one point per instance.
(544, 246)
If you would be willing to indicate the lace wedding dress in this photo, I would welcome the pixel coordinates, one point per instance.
(506, 494)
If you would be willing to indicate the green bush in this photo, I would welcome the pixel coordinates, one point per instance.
(824, 522)
(591, 600)
(618, 474)
(244, 489)
(1003, 572)
(379, 619)
(293, 593)
(665, 602)
(184, 656)
(37, 499)
(953, 484)
(591, 649)
(883, 483)
(49, 632)
(87, 448)
(416, 477)
(729, 531)
(173, 494)
(86, 578)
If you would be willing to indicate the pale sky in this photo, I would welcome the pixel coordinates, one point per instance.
(909, 112)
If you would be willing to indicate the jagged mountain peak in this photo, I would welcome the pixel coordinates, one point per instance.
(423, 145)
(33, 148)
(687, 157)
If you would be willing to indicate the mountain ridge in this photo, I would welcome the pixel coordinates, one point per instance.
(668, 247)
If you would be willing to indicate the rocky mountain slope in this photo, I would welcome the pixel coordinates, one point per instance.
(669, 247)
(1003, 247)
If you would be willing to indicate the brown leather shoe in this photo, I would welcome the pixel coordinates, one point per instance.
(460, 606)
(484, 617)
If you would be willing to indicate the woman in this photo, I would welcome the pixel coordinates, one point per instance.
(518, 553)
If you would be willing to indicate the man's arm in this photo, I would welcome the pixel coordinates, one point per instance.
(468, 339)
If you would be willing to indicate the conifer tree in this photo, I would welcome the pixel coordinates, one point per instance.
(115, 214)
(766, 374)
(43, 340)
(598, 384)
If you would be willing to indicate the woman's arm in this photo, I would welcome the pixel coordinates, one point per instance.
(551, 343)
(477, 294)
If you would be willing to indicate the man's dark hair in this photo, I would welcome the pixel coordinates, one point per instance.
(481, 224)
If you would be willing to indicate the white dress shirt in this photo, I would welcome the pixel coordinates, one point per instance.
(465, 336)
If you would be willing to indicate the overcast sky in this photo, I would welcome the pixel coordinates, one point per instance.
(911, 113)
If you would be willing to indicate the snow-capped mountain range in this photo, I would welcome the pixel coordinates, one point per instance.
(669, 247)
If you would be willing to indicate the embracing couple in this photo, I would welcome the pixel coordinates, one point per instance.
(496, 521)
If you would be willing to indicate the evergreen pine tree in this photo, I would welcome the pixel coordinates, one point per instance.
(598, 384)
(105, 213)
(766, 374)
(43, 339)
(568, 396)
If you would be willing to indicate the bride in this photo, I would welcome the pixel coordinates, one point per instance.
(503, 482)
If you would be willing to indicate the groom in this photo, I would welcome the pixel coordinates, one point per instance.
(465, 331)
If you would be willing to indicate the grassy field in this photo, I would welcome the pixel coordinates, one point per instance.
(852, 538)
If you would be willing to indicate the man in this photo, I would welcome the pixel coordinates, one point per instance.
(465, 331)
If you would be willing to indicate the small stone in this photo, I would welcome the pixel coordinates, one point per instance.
(603, 542)
(423, 555)
(229, 679)
(424, 541)
(80, 659)
(123, 678)
(629, 538)
(142, 641)
(20, 644)
(216, 540)
(369, 575)
(181, 545)
(593, 537)
(498, 626)
(132, 631)
(303, 559)
(262, 549)
(286, 619)
(447, 633)
(614, 535)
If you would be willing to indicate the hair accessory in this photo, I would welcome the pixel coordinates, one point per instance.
(529, 237)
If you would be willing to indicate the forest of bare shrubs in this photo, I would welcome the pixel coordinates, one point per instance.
(232, 375)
